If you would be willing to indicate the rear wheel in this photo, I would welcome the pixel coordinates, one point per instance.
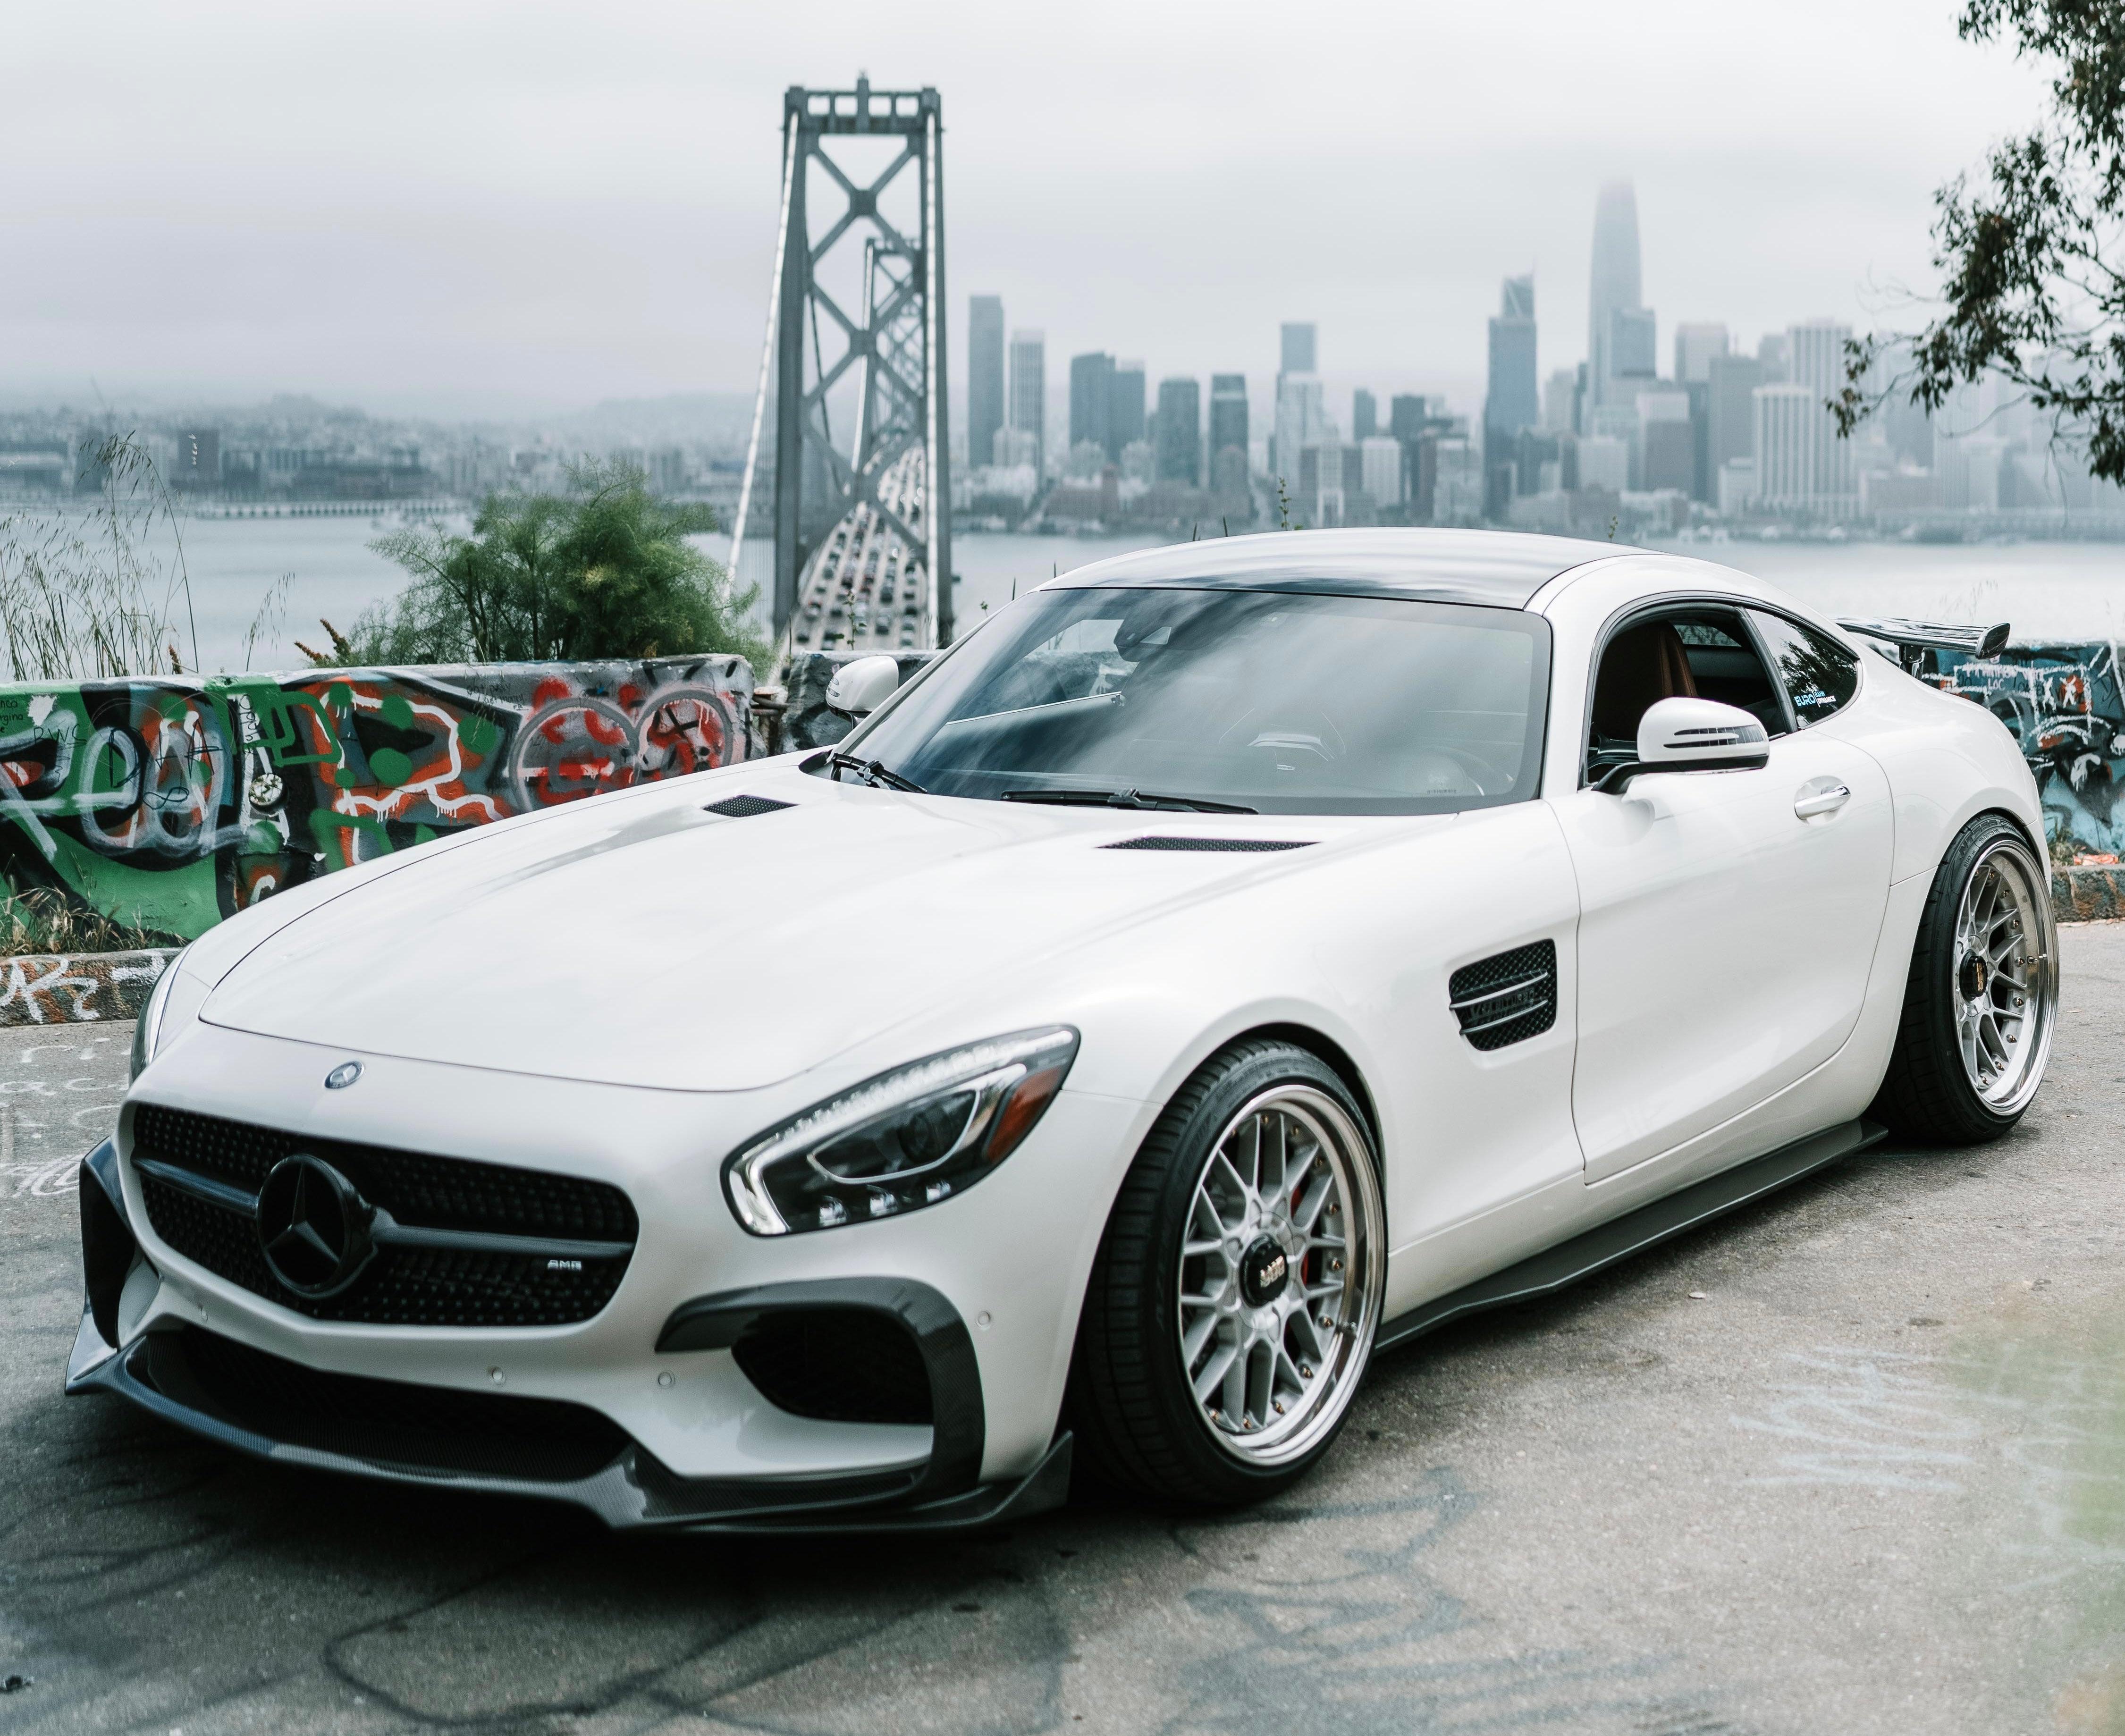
(1983, 996)
(1232, 1307)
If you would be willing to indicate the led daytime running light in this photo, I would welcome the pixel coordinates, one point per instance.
(991, 1072)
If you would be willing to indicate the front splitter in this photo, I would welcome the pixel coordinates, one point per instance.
(634, 1492)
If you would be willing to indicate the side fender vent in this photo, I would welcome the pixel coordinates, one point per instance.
(1209, 843)
(744, 807)
(1508, 998)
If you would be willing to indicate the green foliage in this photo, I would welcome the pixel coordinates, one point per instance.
(603, 571)
(2030, 260)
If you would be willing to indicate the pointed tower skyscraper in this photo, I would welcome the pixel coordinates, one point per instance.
(1615, 287)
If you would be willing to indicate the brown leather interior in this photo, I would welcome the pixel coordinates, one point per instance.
(1643, 665)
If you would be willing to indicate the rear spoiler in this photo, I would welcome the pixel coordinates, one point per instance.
(1914, 639)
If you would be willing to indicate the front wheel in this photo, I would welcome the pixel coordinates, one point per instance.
(1982, 995)
(1232, 1304)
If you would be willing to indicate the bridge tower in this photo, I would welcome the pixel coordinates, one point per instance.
(857, 307)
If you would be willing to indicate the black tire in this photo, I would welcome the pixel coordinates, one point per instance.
(1930, 1094)
(1140, 1426)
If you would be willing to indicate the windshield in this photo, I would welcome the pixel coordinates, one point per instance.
(1272, 701)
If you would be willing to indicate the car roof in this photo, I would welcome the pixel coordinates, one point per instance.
(1499, 569)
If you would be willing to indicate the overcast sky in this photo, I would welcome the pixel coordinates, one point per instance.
(469, 209)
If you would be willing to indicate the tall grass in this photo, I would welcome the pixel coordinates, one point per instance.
(45, 919)
(87, 598)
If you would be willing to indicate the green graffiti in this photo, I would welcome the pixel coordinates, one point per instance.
(329, 831)
(170, 803)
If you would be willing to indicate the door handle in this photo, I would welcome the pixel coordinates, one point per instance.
(1821, 796)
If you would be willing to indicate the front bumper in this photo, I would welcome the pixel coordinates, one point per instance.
(248, 1399)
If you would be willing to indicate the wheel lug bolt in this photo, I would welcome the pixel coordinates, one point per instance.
(1335, 1265)
(1280, 1407)
(1305, 1371)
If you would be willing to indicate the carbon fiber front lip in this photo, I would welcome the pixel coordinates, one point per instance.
(634, 1492)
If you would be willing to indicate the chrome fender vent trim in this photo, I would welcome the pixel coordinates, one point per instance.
(1507, 998)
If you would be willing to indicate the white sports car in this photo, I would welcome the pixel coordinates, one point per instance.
(1232, 959)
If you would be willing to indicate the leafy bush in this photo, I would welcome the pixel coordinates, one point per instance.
(603, 571)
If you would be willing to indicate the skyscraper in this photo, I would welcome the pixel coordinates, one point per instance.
(1125, 400)
(1091, 380)
(1633, 353)
(1228, 415)
(1298, 352)
(984, 378)
(1301, 421)
(1365, 415)
(1730, 411)
(1229, 462)
(1786, 426)
(1815, 362)
(1179, 431)
(1695, 347)
(1558, 392)
(1800, 460)
(1514, 401)
(1029, 397)
(1614, 284)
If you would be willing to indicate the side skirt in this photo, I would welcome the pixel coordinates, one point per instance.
(1635, 1232)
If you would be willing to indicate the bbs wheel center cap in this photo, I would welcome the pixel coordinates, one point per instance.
(1975, 977)
(1264, 1270)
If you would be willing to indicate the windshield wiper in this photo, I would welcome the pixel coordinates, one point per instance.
(1124, 798)
(872, 773)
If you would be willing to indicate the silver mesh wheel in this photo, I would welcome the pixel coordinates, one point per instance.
(2006, 979)
(1281, 1274)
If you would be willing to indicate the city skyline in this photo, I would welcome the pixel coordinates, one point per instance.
(591, 216)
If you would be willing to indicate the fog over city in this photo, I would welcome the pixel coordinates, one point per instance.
(486, 210)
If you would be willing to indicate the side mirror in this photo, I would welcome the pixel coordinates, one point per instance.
(859, 688)
(1692, 736)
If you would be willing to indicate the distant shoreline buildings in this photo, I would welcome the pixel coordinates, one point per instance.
(1730, 440)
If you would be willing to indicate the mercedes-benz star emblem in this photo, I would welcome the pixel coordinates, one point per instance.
(314, 1226)
(342, 1075)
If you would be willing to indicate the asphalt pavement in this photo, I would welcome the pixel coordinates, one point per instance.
(1852, 1460)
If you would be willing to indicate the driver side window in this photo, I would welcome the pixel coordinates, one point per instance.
(1690, 652)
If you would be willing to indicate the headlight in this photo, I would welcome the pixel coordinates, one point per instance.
(905, 1140)
(147, 1028)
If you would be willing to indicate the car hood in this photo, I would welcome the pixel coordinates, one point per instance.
(642, 940)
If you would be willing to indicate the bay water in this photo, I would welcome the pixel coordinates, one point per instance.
(2071, 591)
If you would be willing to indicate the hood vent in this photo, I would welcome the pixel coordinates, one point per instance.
(1508, 998)
(1183, 843)
(744, 807)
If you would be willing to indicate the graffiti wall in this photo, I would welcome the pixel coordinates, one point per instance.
(173, 803)
(2065, 704)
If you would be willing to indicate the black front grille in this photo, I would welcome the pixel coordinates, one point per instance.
(395, 1424)
(840, 1365)
(1507, 998)
(401, 1286)
(1208, 845)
